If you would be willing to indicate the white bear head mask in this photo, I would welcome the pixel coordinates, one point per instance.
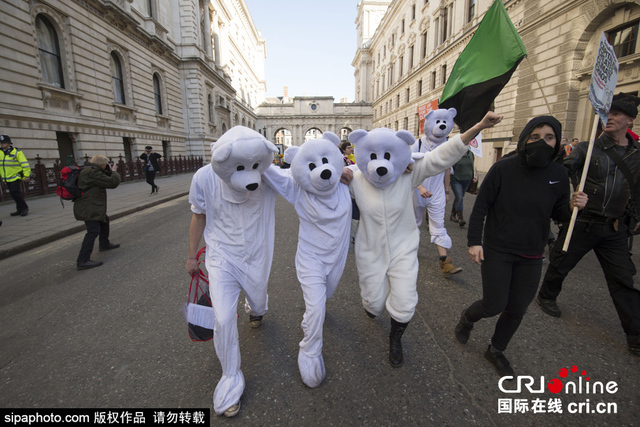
(382, 155)
(316, 166)
(239, 157)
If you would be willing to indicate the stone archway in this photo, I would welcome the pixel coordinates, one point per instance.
(312, 133)
(283, 136)
(343, 133)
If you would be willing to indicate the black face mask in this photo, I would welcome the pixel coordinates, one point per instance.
(538, 154)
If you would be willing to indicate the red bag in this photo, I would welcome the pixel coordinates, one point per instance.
(197, 311)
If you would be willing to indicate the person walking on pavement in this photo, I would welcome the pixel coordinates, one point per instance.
(150, 167)
(91, 208)
(14, 168)
(517, 197)
(613, 184)
(464, 173)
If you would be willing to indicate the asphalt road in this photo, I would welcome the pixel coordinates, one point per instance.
(114, 337)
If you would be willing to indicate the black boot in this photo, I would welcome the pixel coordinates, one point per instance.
(395, 344)
(461, 220)
(463, 328)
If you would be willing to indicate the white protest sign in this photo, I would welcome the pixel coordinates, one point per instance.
(476, 145)
(603, 80)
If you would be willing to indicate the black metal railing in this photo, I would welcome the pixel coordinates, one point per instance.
(44, 180)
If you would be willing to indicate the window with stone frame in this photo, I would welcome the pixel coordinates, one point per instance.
(471, 10)
(117, 79)
(210, 106)
(624, 39)
(49, 51)
(157, 93)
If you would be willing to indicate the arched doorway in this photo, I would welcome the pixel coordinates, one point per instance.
(283, 136)
(344, 134)
(312, 133)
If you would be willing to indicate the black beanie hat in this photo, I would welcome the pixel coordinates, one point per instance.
(626, 103)
(539, 121)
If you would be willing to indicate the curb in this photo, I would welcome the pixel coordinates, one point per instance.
(23, 247)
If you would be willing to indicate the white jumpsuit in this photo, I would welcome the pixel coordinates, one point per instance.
(323, 243)
(387, 238)
(435, 204)
(239, 239)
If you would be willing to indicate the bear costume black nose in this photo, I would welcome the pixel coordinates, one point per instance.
(325, 174)
(252, 187)
(382, 171)
(443, 127)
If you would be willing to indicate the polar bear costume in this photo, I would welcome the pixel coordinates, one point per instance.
(323, 204)
(387, 239)
(239, 234)
(437, 126)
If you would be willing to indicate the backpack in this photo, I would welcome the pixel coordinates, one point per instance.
(68, 185)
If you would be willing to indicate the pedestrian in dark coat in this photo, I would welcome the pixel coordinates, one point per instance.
(92, 208)
(151, 166)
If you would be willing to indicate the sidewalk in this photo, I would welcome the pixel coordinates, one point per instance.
(48, 221)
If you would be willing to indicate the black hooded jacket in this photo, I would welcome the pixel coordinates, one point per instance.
(518, 200)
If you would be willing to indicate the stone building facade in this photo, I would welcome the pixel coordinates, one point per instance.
(407, 60)
(292, 121)
(85, 77)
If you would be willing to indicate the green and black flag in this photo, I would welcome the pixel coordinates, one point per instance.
(484, 67)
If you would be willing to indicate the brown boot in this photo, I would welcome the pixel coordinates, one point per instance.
(454, 216)
(448, 268)
(461, 220)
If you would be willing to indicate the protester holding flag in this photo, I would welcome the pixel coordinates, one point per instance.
(517, 197)
(604, 224)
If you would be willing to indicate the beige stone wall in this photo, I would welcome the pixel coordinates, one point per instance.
(560, 37)
(171, 42)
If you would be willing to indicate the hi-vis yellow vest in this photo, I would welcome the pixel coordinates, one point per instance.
(13, 166)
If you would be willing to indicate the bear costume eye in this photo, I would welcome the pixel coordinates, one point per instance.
(312, 166)
(373, 156)
(387, 156)
(325, 161)
(437, 121)
(240, 168)
(255, 166)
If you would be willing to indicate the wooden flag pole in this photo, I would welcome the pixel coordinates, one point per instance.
(583, 179)
(539, 85)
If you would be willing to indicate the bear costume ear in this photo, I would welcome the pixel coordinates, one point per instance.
(270, 145)
(406, 136)
(221, 154)
(289, 153)
(453, 112)
(331, 137)
(355, 136)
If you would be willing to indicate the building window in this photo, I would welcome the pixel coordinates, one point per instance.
(445, 24)
(402, 27)
(406, 123)
(396, 125)
(210, 103)
(411, 57)
(118, 80)
(401, 63)
(424, 45)
(384, 51)
(444, 73)
(408, 94)
(157, 93)
(471, 10)
(433, 80)
(398, 101)
(49, 50)
(419, 88)
(413, 12)
(624, 40)
(390, 75)
(392, 43)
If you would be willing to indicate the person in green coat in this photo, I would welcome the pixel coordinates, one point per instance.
(91, 208)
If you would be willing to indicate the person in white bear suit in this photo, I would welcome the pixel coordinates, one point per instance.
(432, 194)
(235, 211)
(387, 238)
(323, 204)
